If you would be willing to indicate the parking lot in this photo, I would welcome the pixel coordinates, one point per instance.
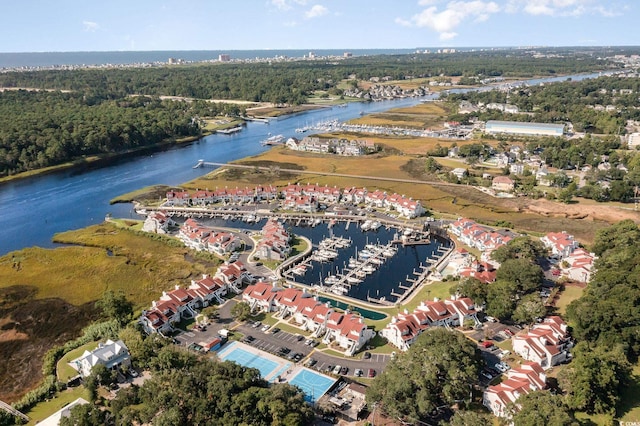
(297, 343)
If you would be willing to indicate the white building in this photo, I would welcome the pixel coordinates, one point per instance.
(111, 354)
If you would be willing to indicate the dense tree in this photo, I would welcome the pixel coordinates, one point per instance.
(472, 288)
(84, 415)
(520, 248)
(241, 311)
(439, 369)
(541, 408)
(470, 418)
(528, 309)
(526, 275)
(595, 378)
(115, 306)
(609, 310)
(501, 299)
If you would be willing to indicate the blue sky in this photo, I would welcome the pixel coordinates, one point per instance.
(87, 25)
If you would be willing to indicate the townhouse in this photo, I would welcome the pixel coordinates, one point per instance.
(202, 238)
(547, 344)
(580, 265)
(274, 243)
(482, 238)
(520, 381)
(560, 244)
(405, 328)
(157, 222)
(345, 329)
(181, 303)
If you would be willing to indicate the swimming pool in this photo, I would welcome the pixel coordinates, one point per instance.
(313, 384)
(269, 369)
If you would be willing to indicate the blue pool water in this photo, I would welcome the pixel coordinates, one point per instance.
(313, 384)
(249, 359)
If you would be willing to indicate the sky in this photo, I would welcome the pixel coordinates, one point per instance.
(113, 25)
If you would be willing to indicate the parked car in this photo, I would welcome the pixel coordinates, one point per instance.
(265, 327)
(486, 375)
(503, 354)
(366, 355)
(487, 344)
(308, 342)
(299, 337)
(336, 369)
(328, 368)
(284, 350)
(297, 357)
(311, 362)
(256, 324)
(358, 372)
(275, 330)
(344, 370)
(371, 373)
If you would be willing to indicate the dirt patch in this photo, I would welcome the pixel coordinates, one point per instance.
(582, 210)
(30, 327)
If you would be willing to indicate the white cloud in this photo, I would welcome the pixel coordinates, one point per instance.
(316, 11)
(90, 26)
(562, 7)
(445, 21)
(288, 4)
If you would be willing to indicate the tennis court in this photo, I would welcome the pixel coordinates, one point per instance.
(270, 367)
(313, 384)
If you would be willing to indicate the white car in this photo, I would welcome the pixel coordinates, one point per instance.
(336, 369)
(265, 327)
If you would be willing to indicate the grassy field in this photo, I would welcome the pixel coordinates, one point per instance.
(44, 409)
(274, 111)
(47, 295)
(425, 115)
(63, 370)
(568, 295)
(221, 123)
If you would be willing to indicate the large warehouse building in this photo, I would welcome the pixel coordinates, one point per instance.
(529, 129)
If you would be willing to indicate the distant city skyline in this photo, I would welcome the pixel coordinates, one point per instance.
(74, 25)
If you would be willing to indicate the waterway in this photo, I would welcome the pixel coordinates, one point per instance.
(380, 284)
(33, 210)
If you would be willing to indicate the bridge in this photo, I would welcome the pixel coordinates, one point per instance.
(9, 409)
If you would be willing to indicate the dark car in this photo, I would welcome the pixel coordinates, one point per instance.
(311, 362)
(299, 337)
(274, 330)
(328, 368)
(249, 338)
(297, 357)
(366, 355)
(344, 370)
(284, 350)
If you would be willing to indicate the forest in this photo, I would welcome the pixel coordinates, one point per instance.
(569, 101)
(82, 112)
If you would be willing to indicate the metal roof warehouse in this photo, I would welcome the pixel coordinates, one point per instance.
(522, 128)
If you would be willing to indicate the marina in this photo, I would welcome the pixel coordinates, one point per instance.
(371, 266)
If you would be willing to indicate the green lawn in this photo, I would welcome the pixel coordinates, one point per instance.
(568, 295)
(630, 399)
(44, 409)
(64, 370)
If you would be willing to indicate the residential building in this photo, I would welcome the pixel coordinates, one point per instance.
(405, 328)
(580, 265)
(502, 184)
(546, 344)
(157, 222)
(274, 243)
(560, 244)
(459, 172)
(112, 355)
(520, 381)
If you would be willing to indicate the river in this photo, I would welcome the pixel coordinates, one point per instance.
(34, 209)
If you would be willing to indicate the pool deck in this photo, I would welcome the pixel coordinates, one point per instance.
(284, 371)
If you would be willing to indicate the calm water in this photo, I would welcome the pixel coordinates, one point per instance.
(385, 280)
(48, 59)
(34, 209)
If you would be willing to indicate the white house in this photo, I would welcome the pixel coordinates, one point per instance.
(157, 222)
(546, 344)
(520, 381)
(561, 244)
(111, 354)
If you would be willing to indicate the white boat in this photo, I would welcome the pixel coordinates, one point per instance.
(365, 254)
(366, 225)
(376, 260)
(331, 279)
(273, 140)
(354, 280)
(375, 225)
